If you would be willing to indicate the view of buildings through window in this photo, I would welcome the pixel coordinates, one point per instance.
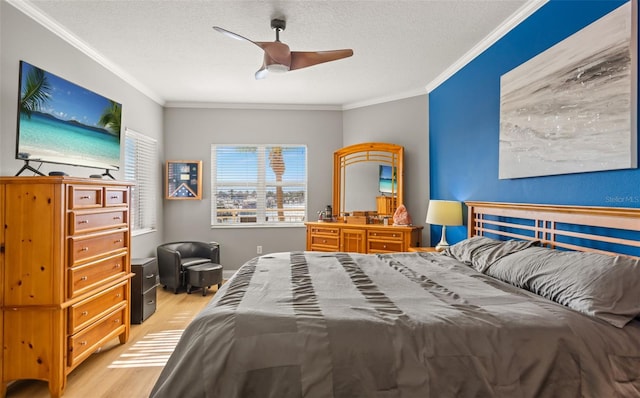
(258, 184)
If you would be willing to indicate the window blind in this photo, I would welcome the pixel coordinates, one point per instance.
(258, 184)
(140, 160)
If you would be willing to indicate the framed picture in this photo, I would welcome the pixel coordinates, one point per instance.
(184, 179)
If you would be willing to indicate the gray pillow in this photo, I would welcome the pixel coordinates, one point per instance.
(599, 285)
(480, 252)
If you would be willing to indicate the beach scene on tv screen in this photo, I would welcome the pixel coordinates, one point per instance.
(61, 122)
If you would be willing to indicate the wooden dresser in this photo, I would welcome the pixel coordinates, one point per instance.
(64, 274)
(361, 238)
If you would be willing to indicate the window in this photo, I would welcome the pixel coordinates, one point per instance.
(258, 185)
(140, 160)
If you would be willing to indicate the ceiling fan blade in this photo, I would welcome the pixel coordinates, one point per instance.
(277, 51)
(231, 34)
(303, 59)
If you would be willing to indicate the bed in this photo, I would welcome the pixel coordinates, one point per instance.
(538, 302)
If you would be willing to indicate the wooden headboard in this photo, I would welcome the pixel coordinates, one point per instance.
(609, 230)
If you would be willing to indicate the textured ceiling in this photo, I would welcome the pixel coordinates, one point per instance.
(169, 50)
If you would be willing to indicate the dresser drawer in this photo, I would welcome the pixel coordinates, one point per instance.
(385, 235)
(92, 337)
(115, 197)
(87, 222)
(81, 197)
(375, 246)
(88, 311)
(92, 275)
(87, 247)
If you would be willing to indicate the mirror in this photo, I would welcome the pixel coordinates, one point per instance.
(357, 177)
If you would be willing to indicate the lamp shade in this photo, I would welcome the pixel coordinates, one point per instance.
(444, 212)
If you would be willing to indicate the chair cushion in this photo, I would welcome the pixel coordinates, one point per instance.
(191, 261)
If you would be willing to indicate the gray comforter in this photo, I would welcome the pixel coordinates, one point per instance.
(305, 324)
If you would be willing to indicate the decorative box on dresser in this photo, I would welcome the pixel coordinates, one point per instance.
(361, 238)
(64, 274)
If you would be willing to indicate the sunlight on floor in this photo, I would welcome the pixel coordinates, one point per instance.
(153, 349)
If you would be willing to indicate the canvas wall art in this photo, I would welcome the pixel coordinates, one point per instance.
(572, 108)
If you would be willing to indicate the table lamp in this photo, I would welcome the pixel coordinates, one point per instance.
(444, 212)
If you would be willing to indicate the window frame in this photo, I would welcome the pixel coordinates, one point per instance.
(143, 203)
(261, 219)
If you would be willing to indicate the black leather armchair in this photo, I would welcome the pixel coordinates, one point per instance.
(175, 258)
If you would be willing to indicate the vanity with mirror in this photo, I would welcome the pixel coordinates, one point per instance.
(367, 189)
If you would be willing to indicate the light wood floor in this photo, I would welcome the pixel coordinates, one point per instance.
(128, 370)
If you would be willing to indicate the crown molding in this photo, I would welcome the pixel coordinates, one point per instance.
(382, 100)
(523, 13)
(228, 105)
(33, 12)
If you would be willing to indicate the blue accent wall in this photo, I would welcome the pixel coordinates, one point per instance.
(464, 114)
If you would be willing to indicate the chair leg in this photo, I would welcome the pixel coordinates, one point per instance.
(204, 291)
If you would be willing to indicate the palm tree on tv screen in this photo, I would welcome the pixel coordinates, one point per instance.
(35, 93)
(111, 117)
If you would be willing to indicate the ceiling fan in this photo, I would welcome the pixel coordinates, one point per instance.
(278, 57)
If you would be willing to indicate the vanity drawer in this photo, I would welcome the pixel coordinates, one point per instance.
(324, 243)
(376, 246)
(325, 231)
(92, 337)
(81, 197)
(84, 248)
(88, 311)
(385, 235)
(85, 222)
(92, 275)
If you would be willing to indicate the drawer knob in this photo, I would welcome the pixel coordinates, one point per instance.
(116, 217)
(117, 295)
(117, 266)
(150, 302)
(85, 197)
(84, 249)
(384, 246)
(150, 276)
(116, 320)
(83, 222)
(117, 241)
(84, 313)
(113, 197)
(83, 343)
(324, 241)
(84, 278)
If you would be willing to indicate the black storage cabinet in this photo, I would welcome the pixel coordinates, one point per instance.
(143, 288)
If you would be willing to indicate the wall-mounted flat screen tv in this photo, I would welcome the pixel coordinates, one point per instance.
(388, 180)
(61, 122)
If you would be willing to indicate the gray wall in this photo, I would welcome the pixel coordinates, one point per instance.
(23, 39)
(403, 122)
(189, 133)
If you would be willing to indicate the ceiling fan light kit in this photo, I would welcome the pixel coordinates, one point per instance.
(279, 58)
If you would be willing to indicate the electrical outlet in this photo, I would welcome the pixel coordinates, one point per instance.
(259, 249)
